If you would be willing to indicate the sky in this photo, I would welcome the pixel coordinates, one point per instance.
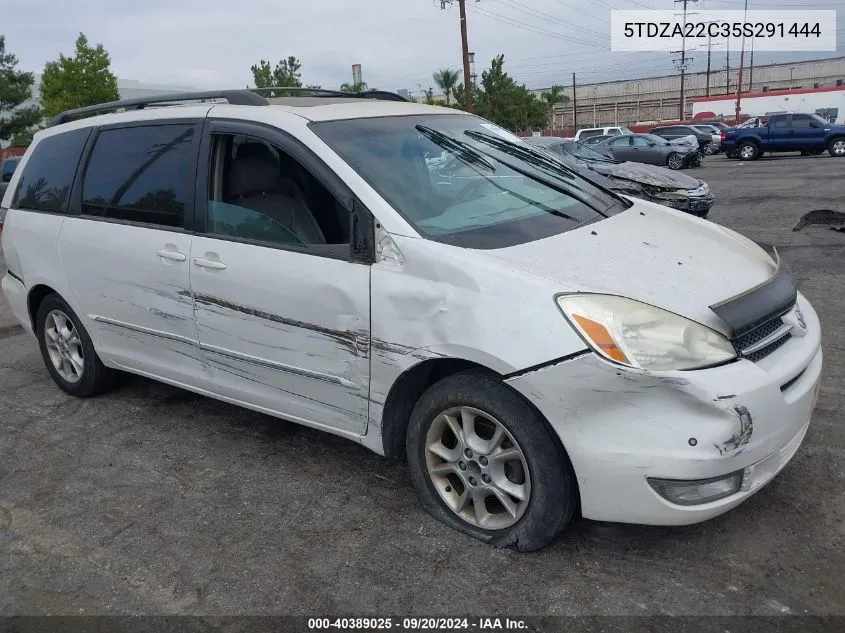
(399, 43)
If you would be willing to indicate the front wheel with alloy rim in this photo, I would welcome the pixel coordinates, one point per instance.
(67, 350)
(749, 151)
(675, 161)
(485, 463)
(837, 147)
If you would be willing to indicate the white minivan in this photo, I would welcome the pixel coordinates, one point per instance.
(531, 342)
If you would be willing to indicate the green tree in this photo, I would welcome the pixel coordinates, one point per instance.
(75, 82)
(501, 100)
(15, 88)
(446, 79)
(553, 97)
(285, 74)
(359, 86)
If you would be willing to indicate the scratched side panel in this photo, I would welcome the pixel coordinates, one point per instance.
(136, 304)
(286, 331)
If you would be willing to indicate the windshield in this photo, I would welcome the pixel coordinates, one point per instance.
(491, 190)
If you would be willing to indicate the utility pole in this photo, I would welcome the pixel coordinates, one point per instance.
(741, 62)
(574, 106)
(682, 64)
(751, 67)
(462, 5)
(728, 66)
(707, 92)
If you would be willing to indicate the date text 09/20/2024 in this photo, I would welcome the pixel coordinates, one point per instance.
(418, 624)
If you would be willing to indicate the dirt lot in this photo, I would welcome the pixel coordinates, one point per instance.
(153, 500)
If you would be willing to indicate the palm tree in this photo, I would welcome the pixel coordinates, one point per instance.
(553, 97)
(446, 79)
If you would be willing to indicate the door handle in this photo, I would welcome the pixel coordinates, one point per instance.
(176, 256)
(208, 263)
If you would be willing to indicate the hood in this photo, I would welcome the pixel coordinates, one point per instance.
(651, 175)
(651, 254)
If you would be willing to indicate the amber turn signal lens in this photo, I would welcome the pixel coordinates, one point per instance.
(600, 337)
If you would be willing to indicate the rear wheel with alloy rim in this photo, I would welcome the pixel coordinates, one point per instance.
(67, 350)
(485, 463)
(749, 151)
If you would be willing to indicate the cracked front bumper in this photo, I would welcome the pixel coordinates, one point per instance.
(621, 426)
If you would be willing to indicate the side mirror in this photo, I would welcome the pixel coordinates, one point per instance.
(652, 144)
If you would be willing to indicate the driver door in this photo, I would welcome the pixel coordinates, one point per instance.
(645, 151)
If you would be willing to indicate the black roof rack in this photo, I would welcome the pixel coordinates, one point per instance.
(285, 91)
(234, 97)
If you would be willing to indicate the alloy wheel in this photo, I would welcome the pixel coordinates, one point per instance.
(675, 161)
(747, 152)
(64, 346)
(839, 147)
(477, 468)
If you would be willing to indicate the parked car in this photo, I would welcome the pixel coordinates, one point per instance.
(650, 149)
(530, 342)
(672, 132)
(7, 168)
(580, 135)
(594, 140)
(649, 182)
(715, 138)
(807, 133)
(719, 125)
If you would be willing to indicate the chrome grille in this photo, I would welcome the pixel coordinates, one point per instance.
(746, 345)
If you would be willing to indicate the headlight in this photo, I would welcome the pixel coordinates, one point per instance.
(639, 335)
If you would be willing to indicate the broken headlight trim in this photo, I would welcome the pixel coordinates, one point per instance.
(697, 491)
(640, 335)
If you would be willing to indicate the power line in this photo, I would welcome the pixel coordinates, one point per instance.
(536, 13)
(528, 27)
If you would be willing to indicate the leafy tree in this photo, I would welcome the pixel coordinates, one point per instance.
(285, 74)
(501, 100)
(359, 86)
(75, 82)
(552, 98)
(446, 79)
(15, 88)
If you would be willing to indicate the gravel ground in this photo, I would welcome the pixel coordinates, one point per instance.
(151, 500)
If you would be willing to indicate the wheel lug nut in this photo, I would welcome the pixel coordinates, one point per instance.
(462, 466)
(472, 481)
(483, 461)
(468, 453)
(485, 478)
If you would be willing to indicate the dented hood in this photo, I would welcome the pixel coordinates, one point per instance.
(650, 175)
(652, 254)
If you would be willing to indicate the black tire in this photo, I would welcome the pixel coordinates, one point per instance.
(836, 147)
(553, 489)
(96, 377)
(750, 149)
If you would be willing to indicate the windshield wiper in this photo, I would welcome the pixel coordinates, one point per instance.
(529, 155)
(538, 160)
(463, 151)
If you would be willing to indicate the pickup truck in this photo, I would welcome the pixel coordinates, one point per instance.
(805, 133)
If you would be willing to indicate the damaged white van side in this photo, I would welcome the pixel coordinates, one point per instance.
(528, 340)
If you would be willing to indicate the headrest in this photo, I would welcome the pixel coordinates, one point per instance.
(254, 171)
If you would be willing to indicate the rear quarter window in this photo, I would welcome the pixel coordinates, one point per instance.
(47, 177)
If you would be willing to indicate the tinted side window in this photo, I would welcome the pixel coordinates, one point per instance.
(658, 130)
(588, 133)
(8, 169)
(782, 122)
(801, 121)
(621, 142)
(141, 174)
(46, 181)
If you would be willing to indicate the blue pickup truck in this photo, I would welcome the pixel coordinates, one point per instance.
(805, 133)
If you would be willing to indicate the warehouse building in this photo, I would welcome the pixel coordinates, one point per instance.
(658, 98)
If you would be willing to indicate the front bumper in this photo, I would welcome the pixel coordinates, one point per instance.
(621, 426)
